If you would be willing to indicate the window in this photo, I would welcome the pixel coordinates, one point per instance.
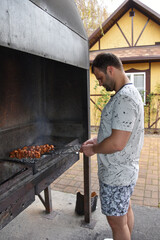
(139, 79)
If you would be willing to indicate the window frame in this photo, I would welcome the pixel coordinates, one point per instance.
(148, 78)
(132, 74)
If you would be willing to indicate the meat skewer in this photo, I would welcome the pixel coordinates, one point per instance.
(31, 151)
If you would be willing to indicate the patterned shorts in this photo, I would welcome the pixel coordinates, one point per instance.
(115, 199)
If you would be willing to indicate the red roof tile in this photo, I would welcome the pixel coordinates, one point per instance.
(132, 54)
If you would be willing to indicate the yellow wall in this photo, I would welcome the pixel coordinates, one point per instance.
(94, 112)
(151, 33)
(114, 38)
(93, 82)
(95, 47)
(139, 22)
(155, 75)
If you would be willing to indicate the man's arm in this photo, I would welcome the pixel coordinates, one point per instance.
(114, 143)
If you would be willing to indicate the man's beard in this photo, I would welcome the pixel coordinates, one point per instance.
(107, 88)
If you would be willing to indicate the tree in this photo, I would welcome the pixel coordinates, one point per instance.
(92, 13)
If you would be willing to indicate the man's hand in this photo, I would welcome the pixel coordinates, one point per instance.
(87, 147)
(114, 143)
(88, 150)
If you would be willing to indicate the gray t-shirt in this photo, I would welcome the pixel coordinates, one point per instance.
(124, 111)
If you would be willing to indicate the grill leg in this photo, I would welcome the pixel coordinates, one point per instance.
(47, 201)
(87, 189)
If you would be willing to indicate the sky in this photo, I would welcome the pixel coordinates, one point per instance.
(112, 5)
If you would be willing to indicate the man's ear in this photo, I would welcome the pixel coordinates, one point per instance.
(109, 70)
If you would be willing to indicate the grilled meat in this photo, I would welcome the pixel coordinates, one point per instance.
(31, 151)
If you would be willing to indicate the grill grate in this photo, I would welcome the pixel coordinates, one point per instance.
(58, 151)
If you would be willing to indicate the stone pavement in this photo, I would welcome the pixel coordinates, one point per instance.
(146, 192)
(64, 224)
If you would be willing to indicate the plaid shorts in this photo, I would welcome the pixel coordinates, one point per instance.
(115, 199)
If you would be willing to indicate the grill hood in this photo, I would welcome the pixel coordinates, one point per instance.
(48, 28)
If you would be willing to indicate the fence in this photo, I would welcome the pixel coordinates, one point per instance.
(151, 110)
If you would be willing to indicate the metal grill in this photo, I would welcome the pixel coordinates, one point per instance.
(44, 98)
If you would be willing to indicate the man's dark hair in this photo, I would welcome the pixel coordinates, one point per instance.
(103, 60)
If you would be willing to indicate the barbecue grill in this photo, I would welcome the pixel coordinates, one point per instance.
(44, 95)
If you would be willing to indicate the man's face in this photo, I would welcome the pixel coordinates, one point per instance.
(104, 79)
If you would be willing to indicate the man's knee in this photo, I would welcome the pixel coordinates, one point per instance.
(117, 222)
(129, 208)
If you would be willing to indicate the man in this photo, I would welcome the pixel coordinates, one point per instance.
(118, 145)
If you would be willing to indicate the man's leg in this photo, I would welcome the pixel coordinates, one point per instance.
(116, 205)
(119, 226)
(122, 226)
(130, 218)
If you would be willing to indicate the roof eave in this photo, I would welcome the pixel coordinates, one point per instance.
(138, 59)
(141, 59)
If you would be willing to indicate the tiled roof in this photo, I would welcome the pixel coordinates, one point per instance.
(132, 54)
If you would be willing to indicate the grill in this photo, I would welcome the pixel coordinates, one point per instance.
(69, 150)
(44, 97)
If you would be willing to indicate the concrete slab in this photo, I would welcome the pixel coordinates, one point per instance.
(64, 224)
